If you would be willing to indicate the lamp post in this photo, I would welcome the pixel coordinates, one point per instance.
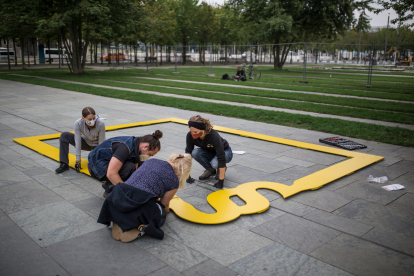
(386, 37)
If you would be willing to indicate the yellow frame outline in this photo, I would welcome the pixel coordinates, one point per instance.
(226, 209)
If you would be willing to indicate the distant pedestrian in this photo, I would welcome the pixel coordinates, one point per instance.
(240, 75)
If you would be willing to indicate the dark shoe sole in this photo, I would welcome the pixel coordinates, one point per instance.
(61, 171)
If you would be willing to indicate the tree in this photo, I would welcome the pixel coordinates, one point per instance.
(185, 30)
(75, 21)
(403, 8)
(286, 21)
(207, 26)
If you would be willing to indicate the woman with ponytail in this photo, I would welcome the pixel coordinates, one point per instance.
(139, 206)
(212, 152)
(117, 158)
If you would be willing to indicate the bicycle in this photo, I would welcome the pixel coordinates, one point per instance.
(253, 73)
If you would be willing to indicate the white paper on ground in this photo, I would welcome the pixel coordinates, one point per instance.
(393, 187)
(238, 152)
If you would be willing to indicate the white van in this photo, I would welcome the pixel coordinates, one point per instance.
(54, 54)
(3, 55)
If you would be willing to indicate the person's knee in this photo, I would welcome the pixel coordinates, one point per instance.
(214, 163)
(65, 136)
(196, 153)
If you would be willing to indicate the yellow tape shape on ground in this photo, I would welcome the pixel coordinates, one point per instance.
(226, 209)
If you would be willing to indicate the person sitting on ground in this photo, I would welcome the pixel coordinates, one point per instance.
(240, 75)
(213, 152)
(117, 158)
(139, 206)
(89, 133)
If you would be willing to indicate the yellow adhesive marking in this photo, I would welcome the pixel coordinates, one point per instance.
(226, 209)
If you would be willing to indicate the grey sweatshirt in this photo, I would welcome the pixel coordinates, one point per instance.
(93, 137)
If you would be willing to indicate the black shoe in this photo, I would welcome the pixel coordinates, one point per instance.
(218, 174)
(63, 167)
(105, 194)
(207, 174)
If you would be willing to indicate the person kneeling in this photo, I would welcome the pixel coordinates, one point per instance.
(117, 158)
(139, 205)
(213, 152)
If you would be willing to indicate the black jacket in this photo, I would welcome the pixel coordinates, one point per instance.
(241, 73)
(129, 207)
(213, 143)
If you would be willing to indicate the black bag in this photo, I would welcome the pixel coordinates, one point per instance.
(225, 77)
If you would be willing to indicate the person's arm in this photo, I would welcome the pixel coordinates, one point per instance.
(78, 141)
(165, 200)
(113, 171)
(102, 134)
(190, 143)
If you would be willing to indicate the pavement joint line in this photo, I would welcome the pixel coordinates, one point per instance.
(283, 90)
(279, 99)
(313, 114)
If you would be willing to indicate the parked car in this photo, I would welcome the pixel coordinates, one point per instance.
(113, 56)
(3, 55)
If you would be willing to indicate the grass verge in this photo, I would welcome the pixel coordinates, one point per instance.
(384, 134)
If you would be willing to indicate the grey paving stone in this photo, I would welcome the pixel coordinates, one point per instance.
(10, 155)
(78, 256)
(290, 206)
(340, 223)
(36, 171)
(388, 161)
(72, 192)
(393, 227)
(166, 271)
(11, 134)
(224, 243)
(261, 163)
(296, 162)
(298, 172)
(26, 164)
(363, 258)
(387, 153)
(253, 220)
(297, 233)
(20, 255)
(376, 170)
(90, 184)
(89, 204)
(209, 268)
(277, 259)
(94, 213)
(56, 222)
(241, 174)
(407, 180)
(341, 182)
(176, 254)
(5, 221)
(322, 199)
(26, 195)
(371, 192)
(404, 203)
(264, 146)
(314, 156)
(11, 175)
(51, 180)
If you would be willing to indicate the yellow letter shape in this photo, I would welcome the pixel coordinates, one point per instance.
(220, 200)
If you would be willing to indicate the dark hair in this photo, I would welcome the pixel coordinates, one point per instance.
(152, 139)
(87, 111)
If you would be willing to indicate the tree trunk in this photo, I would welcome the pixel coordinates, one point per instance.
(101, 54)
(109, 55)
(22, 49)
(15, 52)
(8, 55)
(204, 53)
(28, 53)
(34, 51)
(59, 51)
(161, 56)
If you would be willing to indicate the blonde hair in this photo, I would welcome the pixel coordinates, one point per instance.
(200, 119)
(181, 166)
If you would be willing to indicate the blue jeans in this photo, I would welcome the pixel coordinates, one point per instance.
(208, 159)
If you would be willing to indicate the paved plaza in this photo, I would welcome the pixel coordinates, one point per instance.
(48, 221)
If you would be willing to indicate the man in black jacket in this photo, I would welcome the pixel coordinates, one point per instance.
(240, 75)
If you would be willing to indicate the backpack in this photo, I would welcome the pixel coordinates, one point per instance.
(225, 77)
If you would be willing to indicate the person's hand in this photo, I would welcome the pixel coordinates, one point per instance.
(190, 180)
(78, 166)
(219, 184)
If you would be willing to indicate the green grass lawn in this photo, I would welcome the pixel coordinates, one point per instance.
(324, 104)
